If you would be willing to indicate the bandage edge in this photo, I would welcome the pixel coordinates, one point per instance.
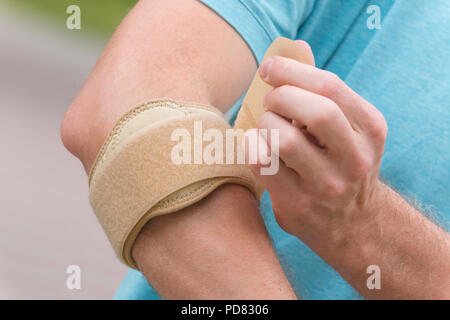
(128, 242)
(245, 178)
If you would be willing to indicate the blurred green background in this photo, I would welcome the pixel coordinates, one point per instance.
(98, 16)
(43, 66)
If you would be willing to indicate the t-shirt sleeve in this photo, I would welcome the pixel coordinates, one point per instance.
(259, 22)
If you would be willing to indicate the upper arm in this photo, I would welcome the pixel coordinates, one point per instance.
(260, 22)
(164, 48)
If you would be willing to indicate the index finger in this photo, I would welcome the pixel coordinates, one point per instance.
(278, 71)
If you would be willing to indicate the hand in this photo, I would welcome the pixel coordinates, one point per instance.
(331, 143)
(327, 191)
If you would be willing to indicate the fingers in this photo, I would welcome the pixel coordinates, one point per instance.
(284, 71)
(292, 146)
(285, 181)
(321, 116)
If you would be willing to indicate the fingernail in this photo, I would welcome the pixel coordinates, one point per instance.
(265, 68)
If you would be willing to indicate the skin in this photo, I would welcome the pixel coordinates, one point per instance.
(221, 249)
(217, 248)
(328, 192)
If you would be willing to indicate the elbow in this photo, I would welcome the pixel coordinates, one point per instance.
(83, 129)
(69, 132)
(74, 129)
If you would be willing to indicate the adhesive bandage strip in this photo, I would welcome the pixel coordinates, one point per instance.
(135, 178)
(252, 105)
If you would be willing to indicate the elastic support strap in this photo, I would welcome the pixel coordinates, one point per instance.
(135, 177)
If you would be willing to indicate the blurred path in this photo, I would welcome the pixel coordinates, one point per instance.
(46, 223)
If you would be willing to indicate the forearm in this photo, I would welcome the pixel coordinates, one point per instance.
(413, 254)
(182, 50)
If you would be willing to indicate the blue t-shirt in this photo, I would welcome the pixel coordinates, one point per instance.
(401, 66)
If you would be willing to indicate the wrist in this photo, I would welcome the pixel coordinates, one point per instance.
(349, 240)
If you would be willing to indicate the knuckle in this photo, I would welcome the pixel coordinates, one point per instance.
(361, 165)
(376, 127)
(288, 142)
(379, 130)
(333, 187)
(329, 112)
(331, 84)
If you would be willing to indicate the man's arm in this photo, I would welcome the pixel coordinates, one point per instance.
(182, 50)
(412, 253)
(328, 193)
(178, 49)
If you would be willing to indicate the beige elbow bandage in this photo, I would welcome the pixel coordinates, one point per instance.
(137, 176)
(138, 173)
